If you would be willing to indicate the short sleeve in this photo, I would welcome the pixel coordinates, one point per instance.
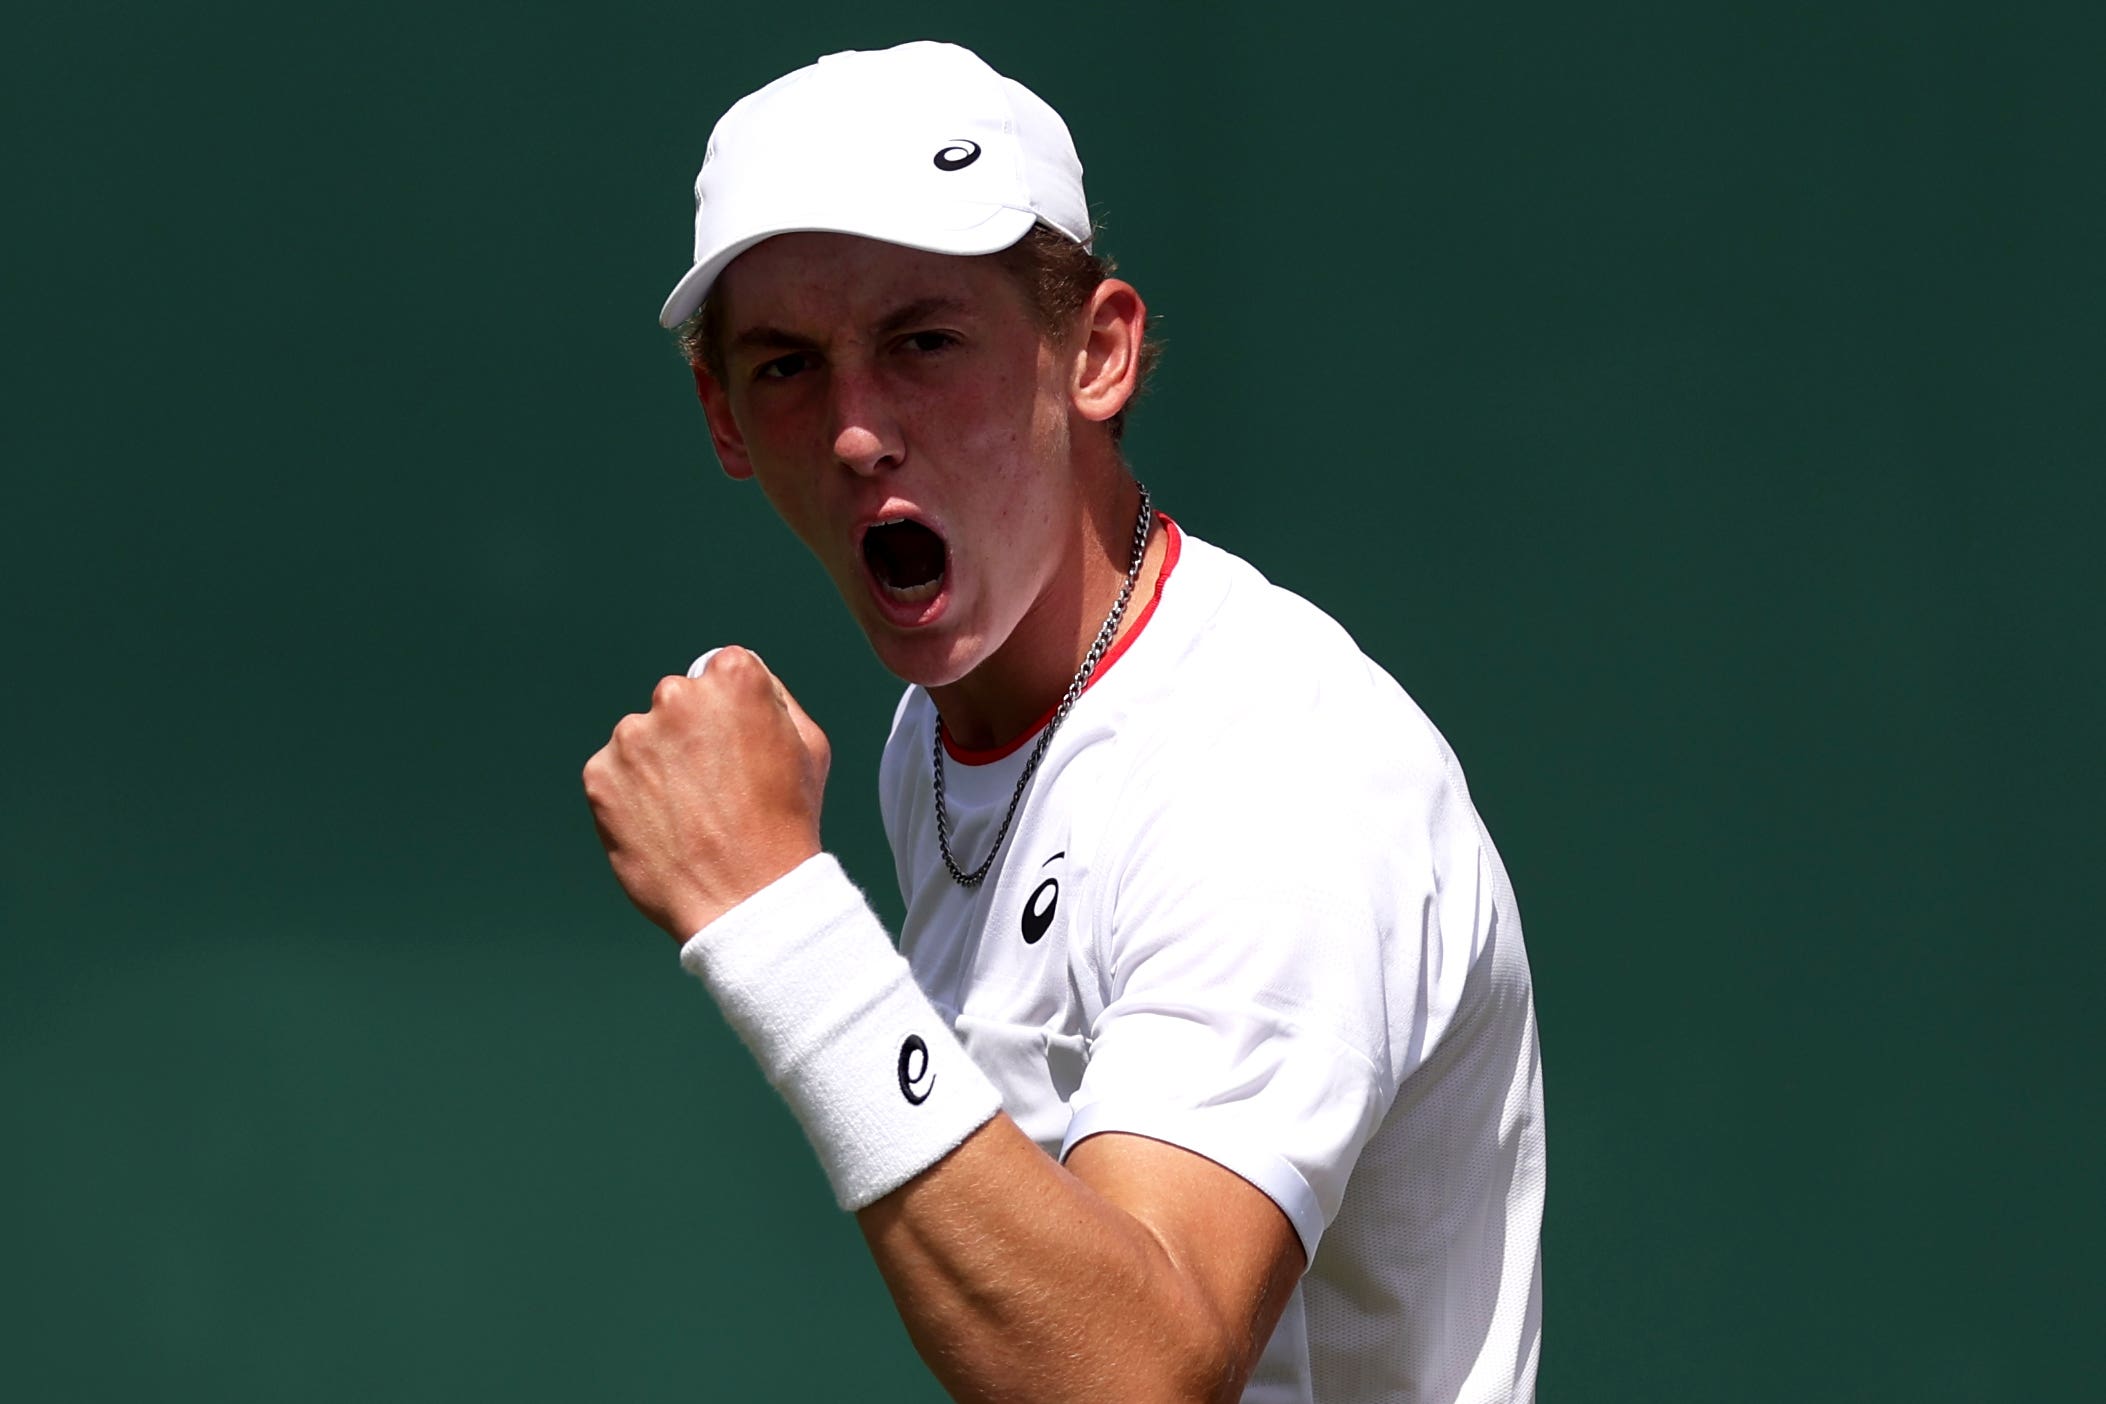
(1267, 958)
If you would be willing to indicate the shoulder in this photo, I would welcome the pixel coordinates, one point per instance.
(1269, 757)
(1258, 682)
(1285, 819)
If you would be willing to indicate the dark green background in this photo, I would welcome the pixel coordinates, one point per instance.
(1697, 406)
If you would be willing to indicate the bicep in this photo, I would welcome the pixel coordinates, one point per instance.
(1231, 1244)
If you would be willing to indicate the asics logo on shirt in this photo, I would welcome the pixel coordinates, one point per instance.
(1038, 911)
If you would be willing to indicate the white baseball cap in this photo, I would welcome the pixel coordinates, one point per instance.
(922, 145)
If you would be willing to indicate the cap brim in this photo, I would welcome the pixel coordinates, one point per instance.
(1002, 227)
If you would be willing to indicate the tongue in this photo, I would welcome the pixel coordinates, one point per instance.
(904, 554)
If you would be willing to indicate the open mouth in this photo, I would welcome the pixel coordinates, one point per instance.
(906, 559)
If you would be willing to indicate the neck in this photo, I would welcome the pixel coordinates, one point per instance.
(1011, 694)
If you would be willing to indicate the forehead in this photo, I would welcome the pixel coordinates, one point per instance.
(837, 278)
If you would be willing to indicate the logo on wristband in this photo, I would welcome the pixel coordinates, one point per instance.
(916, 1079)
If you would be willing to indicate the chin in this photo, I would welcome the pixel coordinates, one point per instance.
(926, 658)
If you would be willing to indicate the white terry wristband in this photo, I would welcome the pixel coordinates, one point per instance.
(805, 973)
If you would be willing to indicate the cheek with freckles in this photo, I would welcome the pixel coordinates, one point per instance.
(1023, 417)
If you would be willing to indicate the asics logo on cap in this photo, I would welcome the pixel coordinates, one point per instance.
(957, 156)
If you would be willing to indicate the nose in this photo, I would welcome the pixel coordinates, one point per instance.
(867, 438)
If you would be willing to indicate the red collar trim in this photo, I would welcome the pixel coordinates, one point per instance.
(964, 756)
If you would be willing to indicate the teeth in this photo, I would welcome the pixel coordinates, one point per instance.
(887, 560)
(913, 594)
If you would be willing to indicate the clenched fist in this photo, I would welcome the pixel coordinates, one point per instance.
(711, 795)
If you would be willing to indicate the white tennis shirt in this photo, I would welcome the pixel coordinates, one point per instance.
(1247, 908)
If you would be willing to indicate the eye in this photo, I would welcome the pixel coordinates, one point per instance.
(929, 342)
(782, 367)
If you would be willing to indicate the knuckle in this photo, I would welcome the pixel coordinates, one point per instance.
(737, 663)
(669, 688)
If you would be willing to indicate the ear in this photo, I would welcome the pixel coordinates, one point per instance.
(724, 435)
(1108, 362)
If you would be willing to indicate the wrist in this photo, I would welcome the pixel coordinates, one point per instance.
(702, 904)
(809, 980)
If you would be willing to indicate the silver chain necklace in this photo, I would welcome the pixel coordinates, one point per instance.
(1141, 528)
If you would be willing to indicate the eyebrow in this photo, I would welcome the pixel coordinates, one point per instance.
(925, 309)
(767, 338)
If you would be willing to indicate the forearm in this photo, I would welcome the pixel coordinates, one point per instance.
(1137, 1270)
(1019, 1281)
